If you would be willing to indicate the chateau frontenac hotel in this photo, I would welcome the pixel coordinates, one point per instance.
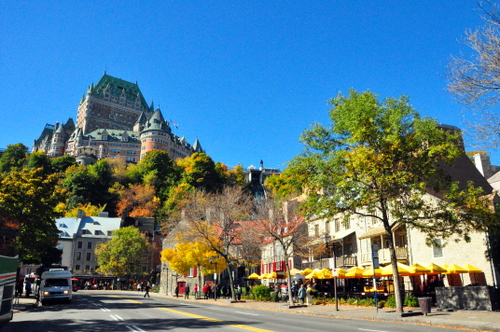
(113, 121)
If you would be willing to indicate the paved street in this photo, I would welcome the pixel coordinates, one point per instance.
(121, 310)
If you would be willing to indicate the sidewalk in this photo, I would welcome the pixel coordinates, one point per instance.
(475, 320)
(472, 320)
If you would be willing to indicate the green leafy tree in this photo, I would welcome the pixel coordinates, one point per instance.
(103, 180)
(381, 160)
(120, 255)
(282, 186)
(30, 197)
(40, 160)
(61, 164)
(78, 181)
(156, 168)
(13, 158)
(199, 171)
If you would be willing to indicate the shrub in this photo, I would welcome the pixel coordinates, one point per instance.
(391, 301)
(368, 302)
(352, 301)
(411, 301)
(381, 303)
(261, 293)
(155, 289)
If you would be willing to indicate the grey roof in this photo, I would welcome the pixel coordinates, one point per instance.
(197, 147)
(494, 178)
(87, 226)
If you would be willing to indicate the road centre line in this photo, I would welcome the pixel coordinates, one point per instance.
(246, 313)
(245, 327)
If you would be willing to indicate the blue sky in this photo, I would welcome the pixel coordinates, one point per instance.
(244, 77)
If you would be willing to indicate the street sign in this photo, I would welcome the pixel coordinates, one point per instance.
(335, 273)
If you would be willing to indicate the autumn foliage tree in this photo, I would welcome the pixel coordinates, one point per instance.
(285, 227)
(138, 201)
(211, 219)
(30, 197)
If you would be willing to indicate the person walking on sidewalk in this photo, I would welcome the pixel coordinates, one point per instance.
(186, 291)
(147, 289)
(301, 294)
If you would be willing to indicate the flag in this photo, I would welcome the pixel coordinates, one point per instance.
(175, 124)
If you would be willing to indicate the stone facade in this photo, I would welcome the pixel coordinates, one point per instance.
(113, 121)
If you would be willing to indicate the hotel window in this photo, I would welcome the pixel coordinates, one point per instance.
(80, 245)
(78, 256)
(437, 248)
(89, 245)
(89, 256)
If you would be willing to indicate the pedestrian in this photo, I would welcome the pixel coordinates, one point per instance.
(238, 292)
(177, 291)
(28, 289)
(309, 294)
(186, 291)
(147, 289)
(301, 294)
(294, 292)
(214, 291)
(19, 288)
(276, 293)
(195, 289)
(206, 290)
(139, 287)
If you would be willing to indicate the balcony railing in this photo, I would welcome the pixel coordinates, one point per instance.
(384, 256)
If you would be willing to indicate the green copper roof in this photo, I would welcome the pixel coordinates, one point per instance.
(117, 85)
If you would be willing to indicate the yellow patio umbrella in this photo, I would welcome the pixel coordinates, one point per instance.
(369, 272)
(263, 276)
(454, 269)
(354, 272)
(419, 269)
(404, 270)
(314, 275)
(435, 269)
(272, 275)
(326, 274)
(340, 273)
(306, 271)
(253, 276)
(472, 269)
(294, 271)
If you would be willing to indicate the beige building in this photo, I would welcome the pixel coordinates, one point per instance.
(353, 241)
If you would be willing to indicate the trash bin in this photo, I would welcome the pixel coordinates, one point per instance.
(425, 304)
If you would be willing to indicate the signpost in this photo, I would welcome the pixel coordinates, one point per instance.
(375, 266)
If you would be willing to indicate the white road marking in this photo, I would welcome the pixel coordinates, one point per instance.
(372, 330)
(134, 328)
(116, 317)
(105, 309)
(246, 313)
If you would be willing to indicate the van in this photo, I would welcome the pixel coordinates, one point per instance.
(56, 285)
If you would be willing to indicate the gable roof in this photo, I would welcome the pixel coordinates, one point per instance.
(117, 87)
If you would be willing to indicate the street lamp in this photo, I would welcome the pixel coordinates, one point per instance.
(326, 241)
